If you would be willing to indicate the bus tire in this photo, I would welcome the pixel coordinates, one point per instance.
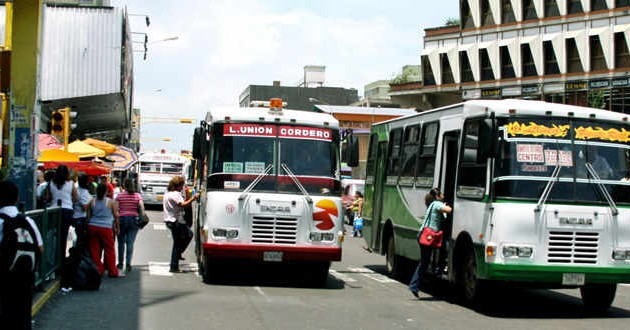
(319, 274)
(392, 261)
(472, 288)
(598, 297)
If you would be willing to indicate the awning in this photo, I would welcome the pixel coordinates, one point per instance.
(47, 141)
(57, 155)
(107, 147)
(87, 167)
(84, 150)
(123, 158)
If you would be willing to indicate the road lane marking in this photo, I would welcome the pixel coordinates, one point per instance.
(341, 277)
(372, 275)
(158, 268)
(159, 226)
(262, 293)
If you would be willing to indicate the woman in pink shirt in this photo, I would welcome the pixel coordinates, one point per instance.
(129, 203)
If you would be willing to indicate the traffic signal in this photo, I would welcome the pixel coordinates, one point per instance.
(57, 123)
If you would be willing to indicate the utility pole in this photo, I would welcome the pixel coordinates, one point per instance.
(24, 107)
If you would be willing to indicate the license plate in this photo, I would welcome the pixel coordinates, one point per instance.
(160, 197)
(573, 279)
(272, 256)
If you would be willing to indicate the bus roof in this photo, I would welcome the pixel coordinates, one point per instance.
(264, 115)
(525, 107)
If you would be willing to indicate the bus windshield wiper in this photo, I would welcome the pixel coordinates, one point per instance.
(545, 194)
(297, 183)
(611, 202)
(255, 182)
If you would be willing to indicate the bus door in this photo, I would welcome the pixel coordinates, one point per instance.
(377, 195)
(448, 172)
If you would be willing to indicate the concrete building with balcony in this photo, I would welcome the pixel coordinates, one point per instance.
(376, 94)
(564, 51)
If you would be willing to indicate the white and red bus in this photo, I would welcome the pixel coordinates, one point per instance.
(270, 188)
(155, 170)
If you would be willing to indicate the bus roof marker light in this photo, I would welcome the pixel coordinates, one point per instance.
(512, 111)
(275, 106)
(592, 116)
(571, 114)
(261, 118)
(548, 112)
(228, 118)
(293, 120)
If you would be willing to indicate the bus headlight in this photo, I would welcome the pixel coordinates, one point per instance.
(319, 237)
(514, 251)
(224, 233)
(621, 254)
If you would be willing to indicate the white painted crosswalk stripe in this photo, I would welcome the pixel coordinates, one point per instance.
(342, 277)
(159, 226)
(157, 268)
(372, 275)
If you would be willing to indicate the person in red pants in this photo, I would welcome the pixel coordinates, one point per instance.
(102, 226)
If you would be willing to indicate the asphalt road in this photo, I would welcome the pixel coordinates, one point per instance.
(357, 296)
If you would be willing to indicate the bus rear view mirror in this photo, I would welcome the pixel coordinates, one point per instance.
(351, 151)
(198, 143)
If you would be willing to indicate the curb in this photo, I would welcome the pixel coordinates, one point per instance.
(44, 297)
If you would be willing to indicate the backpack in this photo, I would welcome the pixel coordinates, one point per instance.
(79, 271)
(19, 244)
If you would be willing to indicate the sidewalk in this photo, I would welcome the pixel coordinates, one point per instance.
(41, 297)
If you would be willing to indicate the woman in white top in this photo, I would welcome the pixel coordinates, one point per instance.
(79, 218)
(63, 194)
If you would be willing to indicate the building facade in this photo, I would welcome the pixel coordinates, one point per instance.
(564, 51)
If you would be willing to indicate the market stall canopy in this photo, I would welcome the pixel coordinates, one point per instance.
(84, 150)
(87, 167)
(107, 147)
(57, 155)
(47, 141)
(123, 158)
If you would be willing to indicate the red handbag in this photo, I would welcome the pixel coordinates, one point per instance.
(430, 238)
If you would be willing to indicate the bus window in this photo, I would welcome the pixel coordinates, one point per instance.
(371, 160)
(393, 158)
(472, 170)
(426, 157)
(409, 154)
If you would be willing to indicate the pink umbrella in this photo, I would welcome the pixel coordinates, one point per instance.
(47, 141)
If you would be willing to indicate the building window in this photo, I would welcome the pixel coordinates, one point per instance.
(507, 68)
(622, 3)
(574, 6)
(427, 73)
(507, 12)
(486, 67)
(598, 5)
(551, 8)
(486, 13)
(622, 56)
(598, 61)
(465, 69)
(574, 65)
(529, 10)
(466, 15)
(528, 65)
(551, 62)
(620, 100)
(447, 72)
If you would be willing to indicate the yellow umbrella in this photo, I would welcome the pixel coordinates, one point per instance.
(84, 150)
(107, 147)
(57, 155)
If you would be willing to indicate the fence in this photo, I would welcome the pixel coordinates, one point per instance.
(49, 223)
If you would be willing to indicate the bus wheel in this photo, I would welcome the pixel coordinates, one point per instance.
(392, 261)
(598, 297)
(319, 274)
(471, 286)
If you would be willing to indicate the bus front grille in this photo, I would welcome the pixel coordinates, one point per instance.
(278, 230)
(568, 247)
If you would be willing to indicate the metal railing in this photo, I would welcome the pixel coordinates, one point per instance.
(49, 223)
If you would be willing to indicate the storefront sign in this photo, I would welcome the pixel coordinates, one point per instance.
(553, 88)
(494, 92)
(511, 91)
(530, 90)
(471, 94)
(575, 85)
(593, 84)
(624, 82)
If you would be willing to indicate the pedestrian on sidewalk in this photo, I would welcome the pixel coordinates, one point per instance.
(130, 206)
(174, 205)
(16, 282)
(103, 224)
(63, 194)
(81, 207)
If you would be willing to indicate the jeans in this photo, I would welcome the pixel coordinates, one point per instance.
(425, 259)
(182, 235)
(127, 238)
(66, 221)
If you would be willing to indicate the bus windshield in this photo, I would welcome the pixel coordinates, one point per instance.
(238, 160)
(586, 152)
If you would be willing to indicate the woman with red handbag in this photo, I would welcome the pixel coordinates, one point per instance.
(430, 234)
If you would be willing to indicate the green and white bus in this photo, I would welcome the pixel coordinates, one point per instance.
(539, 191)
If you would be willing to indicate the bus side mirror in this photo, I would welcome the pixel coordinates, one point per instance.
(198, 143)
(487, 144)
(351, 151)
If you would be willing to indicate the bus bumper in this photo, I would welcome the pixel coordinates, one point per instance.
(260, 252)
(554, 274)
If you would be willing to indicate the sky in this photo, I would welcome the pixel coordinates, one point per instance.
(223, 46)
